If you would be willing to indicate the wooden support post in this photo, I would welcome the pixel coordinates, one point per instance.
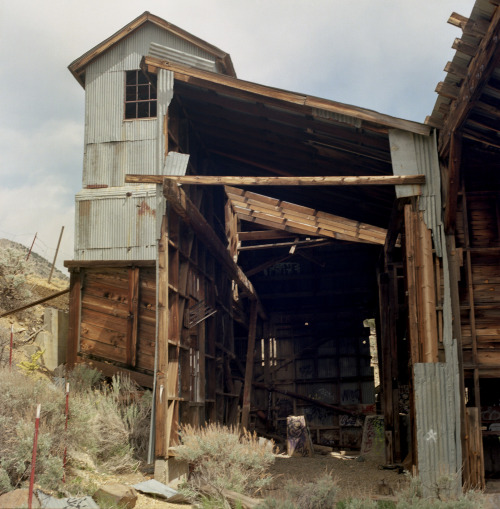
(472, 305)
(454, 159)
(133, 315)
(475, 449)
(74, 317)
(161, 437)
(247, 389)
(411, 278)
(427, 306)
(457, 334)
(387, 326)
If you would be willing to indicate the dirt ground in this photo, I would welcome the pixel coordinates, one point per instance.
(354, 478)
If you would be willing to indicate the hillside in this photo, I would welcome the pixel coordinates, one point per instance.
(36, 264)
(23, 282)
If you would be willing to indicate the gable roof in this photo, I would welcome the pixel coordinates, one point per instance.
(78, 66)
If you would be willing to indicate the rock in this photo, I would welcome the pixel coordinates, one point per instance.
(116, 494)
(17, 499)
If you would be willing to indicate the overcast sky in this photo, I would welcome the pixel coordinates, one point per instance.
(386, 55)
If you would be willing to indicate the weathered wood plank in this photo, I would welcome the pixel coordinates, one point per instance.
(247, 388)
(366, 180)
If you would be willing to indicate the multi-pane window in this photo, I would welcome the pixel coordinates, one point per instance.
(140, 95)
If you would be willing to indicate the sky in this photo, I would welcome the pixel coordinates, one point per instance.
(385, 55)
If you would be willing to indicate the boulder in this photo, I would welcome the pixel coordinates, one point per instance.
(17, 499)
(116, 494)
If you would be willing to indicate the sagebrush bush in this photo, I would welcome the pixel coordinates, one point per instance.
(223, 458)
(103, 427)
(320, 494)
(13, 271)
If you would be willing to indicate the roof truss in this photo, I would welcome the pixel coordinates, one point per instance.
(293, 218)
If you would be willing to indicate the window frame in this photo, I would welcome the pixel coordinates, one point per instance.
(140, 96)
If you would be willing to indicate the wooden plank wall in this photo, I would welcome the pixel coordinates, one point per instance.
(117, 316)
(478, 250)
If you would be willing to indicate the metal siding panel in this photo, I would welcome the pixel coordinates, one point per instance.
(176, 164)
(114, 226)
(108, 163)
(414, 154)
(129, 52)
(174, 55)
(438, 456)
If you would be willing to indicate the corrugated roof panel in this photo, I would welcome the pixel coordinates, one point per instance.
(174, 55)
(116, 224)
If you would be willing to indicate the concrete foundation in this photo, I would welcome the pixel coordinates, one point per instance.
(53, 340)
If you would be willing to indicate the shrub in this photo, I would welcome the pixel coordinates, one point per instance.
(224, 459)
(103, 427)
(321, 494)
(13, 288)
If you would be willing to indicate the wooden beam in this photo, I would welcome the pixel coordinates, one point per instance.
(189, 213)
(378, 180)
(447, 90)
(266, 264)
(264, 235)
(74, 317)
(463, 47)
(133, 315)
(458, 20)
(451, 197)
(295, 218)
(35, 303)
(161, 402)
(299, 243)
(456, 69)
(479, 71)
(297, 102)
(247, 388)
(427, 306)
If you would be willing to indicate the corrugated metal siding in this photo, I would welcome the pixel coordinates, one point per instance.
(116, 224)
(173, 55)
(437, 386)
(435, 409)
(108, 163)
(176, 164)
(129, 52)
(414, 154)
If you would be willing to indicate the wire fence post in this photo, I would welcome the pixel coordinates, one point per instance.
(55, 256)
(32, 244)
(11, 345)
(66, 413)
(33, 457)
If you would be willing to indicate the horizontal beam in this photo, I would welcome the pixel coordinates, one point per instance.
(299, 243)
(190, 214)
(35, 303)
(384, 180)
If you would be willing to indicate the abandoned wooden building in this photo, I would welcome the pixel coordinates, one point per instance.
(233, 242)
